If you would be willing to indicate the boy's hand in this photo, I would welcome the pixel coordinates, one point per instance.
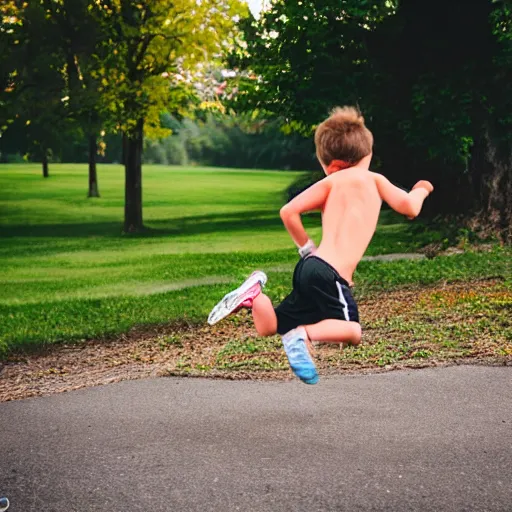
(424, 184)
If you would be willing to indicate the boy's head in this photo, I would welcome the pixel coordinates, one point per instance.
(342, 140)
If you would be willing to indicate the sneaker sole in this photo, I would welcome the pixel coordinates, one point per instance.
(233, 299)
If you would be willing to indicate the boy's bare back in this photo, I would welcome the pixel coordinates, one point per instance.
(349, 218)
(350, 201)
(351, 211)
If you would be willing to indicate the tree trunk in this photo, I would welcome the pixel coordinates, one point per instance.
(93, 178)
(133, 180)
(46, 174)
(124, 149)
(491, 178)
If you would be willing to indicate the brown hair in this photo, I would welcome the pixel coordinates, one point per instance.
(343, 137)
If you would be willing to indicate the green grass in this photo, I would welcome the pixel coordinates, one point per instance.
(67, 272)
(409, 327)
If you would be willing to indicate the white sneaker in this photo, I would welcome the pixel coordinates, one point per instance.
(242, 297)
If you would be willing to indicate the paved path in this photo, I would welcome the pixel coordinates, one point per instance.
(424, 440)
(395, 257)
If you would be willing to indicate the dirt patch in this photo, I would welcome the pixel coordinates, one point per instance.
(450, 323)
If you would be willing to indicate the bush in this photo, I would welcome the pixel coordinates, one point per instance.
(11, 158)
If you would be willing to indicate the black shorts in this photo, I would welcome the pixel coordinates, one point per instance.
(319, 293)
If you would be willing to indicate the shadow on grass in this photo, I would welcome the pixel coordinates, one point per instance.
(193, 225)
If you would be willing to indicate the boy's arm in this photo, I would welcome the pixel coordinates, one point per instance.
(408, 204)
(312, 198)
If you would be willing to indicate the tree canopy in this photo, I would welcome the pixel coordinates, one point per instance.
(433, 80)
(113, 65)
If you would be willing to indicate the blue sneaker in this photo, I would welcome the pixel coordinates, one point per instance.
(300, 360)
(4, 504)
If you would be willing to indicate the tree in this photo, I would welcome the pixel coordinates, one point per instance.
(306, 57)
(450, 111)
(32, 82)
(78, 37)
(150, 42)
(433, 80)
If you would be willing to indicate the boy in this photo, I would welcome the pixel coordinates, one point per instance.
(320, 306)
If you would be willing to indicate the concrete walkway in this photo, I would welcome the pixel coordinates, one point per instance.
(424, 440)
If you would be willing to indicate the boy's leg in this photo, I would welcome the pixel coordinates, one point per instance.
(334, 331)
(264, 315)
(297, 344)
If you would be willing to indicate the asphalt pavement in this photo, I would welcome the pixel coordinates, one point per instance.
(422, 440)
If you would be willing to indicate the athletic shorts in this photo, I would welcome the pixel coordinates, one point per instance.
(319, 293)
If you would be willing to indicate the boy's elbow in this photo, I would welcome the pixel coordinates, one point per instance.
(289, 214)
(409, 209)
(415, 211)
(285, 212)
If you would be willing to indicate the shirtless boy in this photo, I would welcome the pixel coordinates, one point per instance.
(320, 306)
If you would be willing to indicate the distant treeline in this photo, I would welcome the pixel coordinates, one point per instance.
(215, 140)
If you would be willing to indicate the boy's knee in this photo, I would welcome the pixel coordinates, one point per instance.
(358, 333)
(266, 331)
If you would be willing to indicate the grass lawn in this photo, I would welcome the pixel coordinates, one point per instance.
(68, 273)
